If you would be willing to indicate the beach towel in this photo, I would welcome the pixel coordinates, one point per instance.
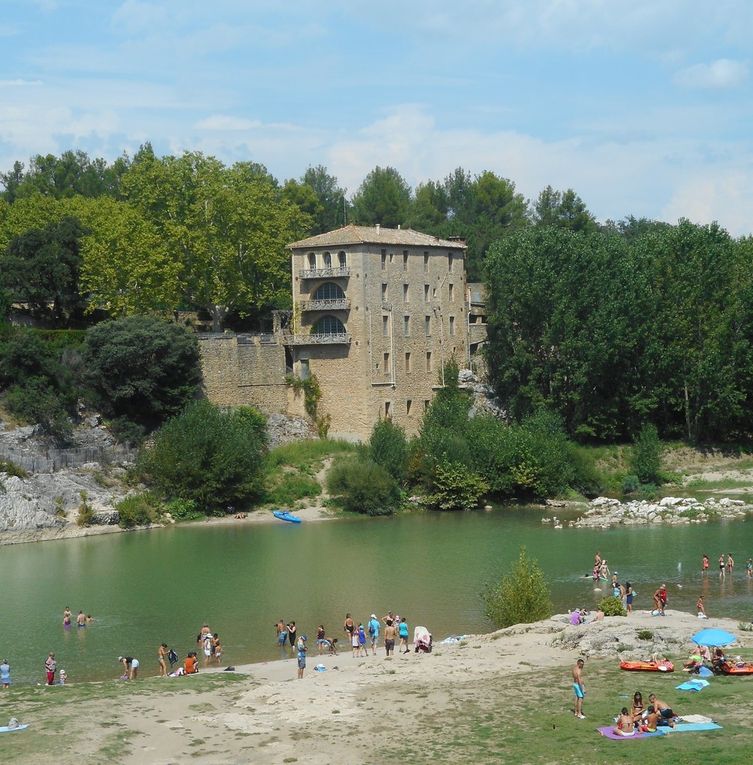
(608, 732)
(705, 672)
(8, 729)
(692, 685)
(691, 727)
(694, 719)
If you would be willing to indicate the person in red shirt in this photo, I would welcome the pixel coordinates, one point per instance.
(660, 599)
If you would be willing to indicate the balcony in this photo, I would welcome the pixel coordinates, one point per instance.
(330, 304)
(324, 273)
(336, 338)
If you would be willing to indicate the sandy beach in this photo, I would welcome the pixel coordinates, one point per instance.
(407, 703)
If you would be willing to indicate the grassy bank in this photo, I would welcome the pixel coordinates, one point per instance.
(514, 716)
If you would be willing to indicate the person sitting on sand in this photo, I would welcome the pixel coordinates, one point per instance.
(666, 715)
(624, 725)
(575, 617)
(191, 665)
(694, 662)
(637, 709)
(651, 720)
(718, 660)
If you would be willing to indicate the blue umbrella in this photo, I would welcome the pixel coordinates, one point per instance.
(713, 637)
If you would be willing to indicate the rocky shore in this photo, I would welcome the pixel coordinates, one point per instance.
(604, 512)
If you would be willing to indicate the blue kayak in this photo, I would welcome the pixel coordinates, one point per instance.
(283, 515)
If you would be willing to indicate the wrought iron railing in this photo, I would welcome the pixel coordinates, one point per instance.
(329, 304)
(333, 338)
(324, 273)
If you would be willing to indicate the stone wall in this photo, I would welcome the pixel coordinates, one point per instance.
(244, 370)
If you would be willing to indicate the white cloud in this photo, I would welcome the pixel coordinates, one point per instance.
(722, 74)
(223, 122)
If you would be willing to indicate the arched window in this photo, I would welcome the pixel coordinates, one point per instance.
(341, 258)
(327, 260)
(328, 325)
(312, 260)
(329, 291)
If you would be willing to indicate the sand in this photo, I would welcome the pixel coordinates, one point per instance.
(340, 715)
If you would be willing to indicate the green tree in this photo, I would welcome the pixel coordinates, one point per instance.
(227, 228)
(362, 486)
(520, 597)
(141, 369)
(455, 487)
(430, 209)
(384, 197)
(41, 267)
(563, 210)
(388, 447)
(645, 460)
(333, 208)
(208, 455)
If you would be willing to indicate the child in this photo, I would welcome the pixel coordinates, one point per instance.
(362, 641)
(63, 677)
(403, 635)
(354, 643)
(5, 673)
(700, 608)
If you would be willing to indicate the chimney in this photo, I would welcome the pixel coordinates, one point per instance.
(377, 228)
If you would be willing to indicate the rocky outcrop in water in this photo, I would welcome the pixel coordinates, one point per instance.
(603, 512)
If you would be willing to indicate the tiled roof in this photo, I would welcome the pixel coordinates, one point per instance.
(376, 235)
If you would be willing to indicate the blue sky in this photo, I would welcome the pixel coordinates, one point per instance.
(643, 108)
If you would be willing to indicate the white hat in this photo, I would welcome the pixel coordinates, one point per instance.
(373, 616)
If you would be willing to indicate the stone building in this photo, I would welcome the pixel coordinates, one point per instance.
(376, 314)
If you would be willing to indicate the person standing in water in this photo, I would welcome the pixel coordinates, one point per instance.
(721, 565)
(161, 656)
(292, 634)
(705, 564)
(5, 674)
(749, 567)
(629, 595)
(51, 666)
(67, 618)
(81, 619)
(730, 564)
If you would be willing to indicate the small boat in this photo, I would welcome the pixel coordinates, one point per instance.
(648, 666)
(284, 515)
(733, 668)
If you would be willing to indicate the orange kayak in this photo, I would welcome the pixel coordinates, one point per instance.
(728, 668)
(648, 666)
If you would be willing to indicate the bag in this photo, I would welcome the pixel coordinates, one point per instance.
(371, 630)
(172, 657)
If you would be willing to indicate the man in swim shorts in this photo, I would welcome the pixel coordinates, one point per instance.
(579, 689)
(389, 637)
(666, 715)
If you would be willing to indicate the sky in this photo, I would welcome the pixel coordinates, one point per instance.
(643, 107)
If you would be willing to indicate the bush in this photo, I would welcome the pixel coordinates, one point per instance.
(39, 403)
(182, 509)
(138, 510)
(612, 606)
(289, 487)
(85, 511)
(388, 447)
(521, 597)
(630, 484)
(645, 635)
(362, 486)
(456, 488)
(209, 455)
(141, 368)
(10, 468)
(645, 460)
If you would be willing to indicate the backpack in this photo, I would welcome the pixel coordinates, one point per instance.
(371, 629)
(172, 657)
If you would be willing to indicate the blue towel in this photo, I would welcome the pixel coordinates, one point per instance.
(692, 685)
(691, 727)
(705, 672)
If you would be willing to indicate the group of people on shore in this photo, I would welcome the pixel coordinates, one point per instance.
(359, 636)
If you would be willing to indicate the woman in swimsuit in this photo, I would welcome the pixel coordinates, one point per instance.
(624, 726)
(629, 597)
(349, 625)
(637, 707)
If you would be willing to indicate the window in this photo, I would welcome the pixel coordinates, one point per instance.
(429, 364)
(427, 325)
(426, 293)
(406, 326)
(327, 257)
(450, 260)
(387, 409)
(426, 403)
(405, 260)
(408, 405)
(452, 293)
(384, 292)
(452, 325)
(387, 369)
(341, 259)
(312, 260)
(328, 325)
(407, 361)
(434, 293)
(329, 291)
(392, 257)
(385, 326)
(406, 294)
(304, 371)
(426, 262)
(384, 259)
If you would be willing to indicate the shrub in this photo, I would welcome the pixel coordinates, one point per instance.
(289, 487)
(182, 509)
(456, 488)
(38, 402)
(141, 368)
(85, 511)
(630, 484)
(612, 606)
(645, 635)
(10, 468)
(521, 597)
(645, 460)
(138, 510)
(388, 447)
(209, 455)
(362, 486)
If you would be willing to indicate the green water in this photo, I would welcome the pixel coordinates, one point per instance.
(147, 587)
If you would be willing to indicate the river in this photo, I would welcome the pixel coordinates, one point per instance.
(152, 586)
